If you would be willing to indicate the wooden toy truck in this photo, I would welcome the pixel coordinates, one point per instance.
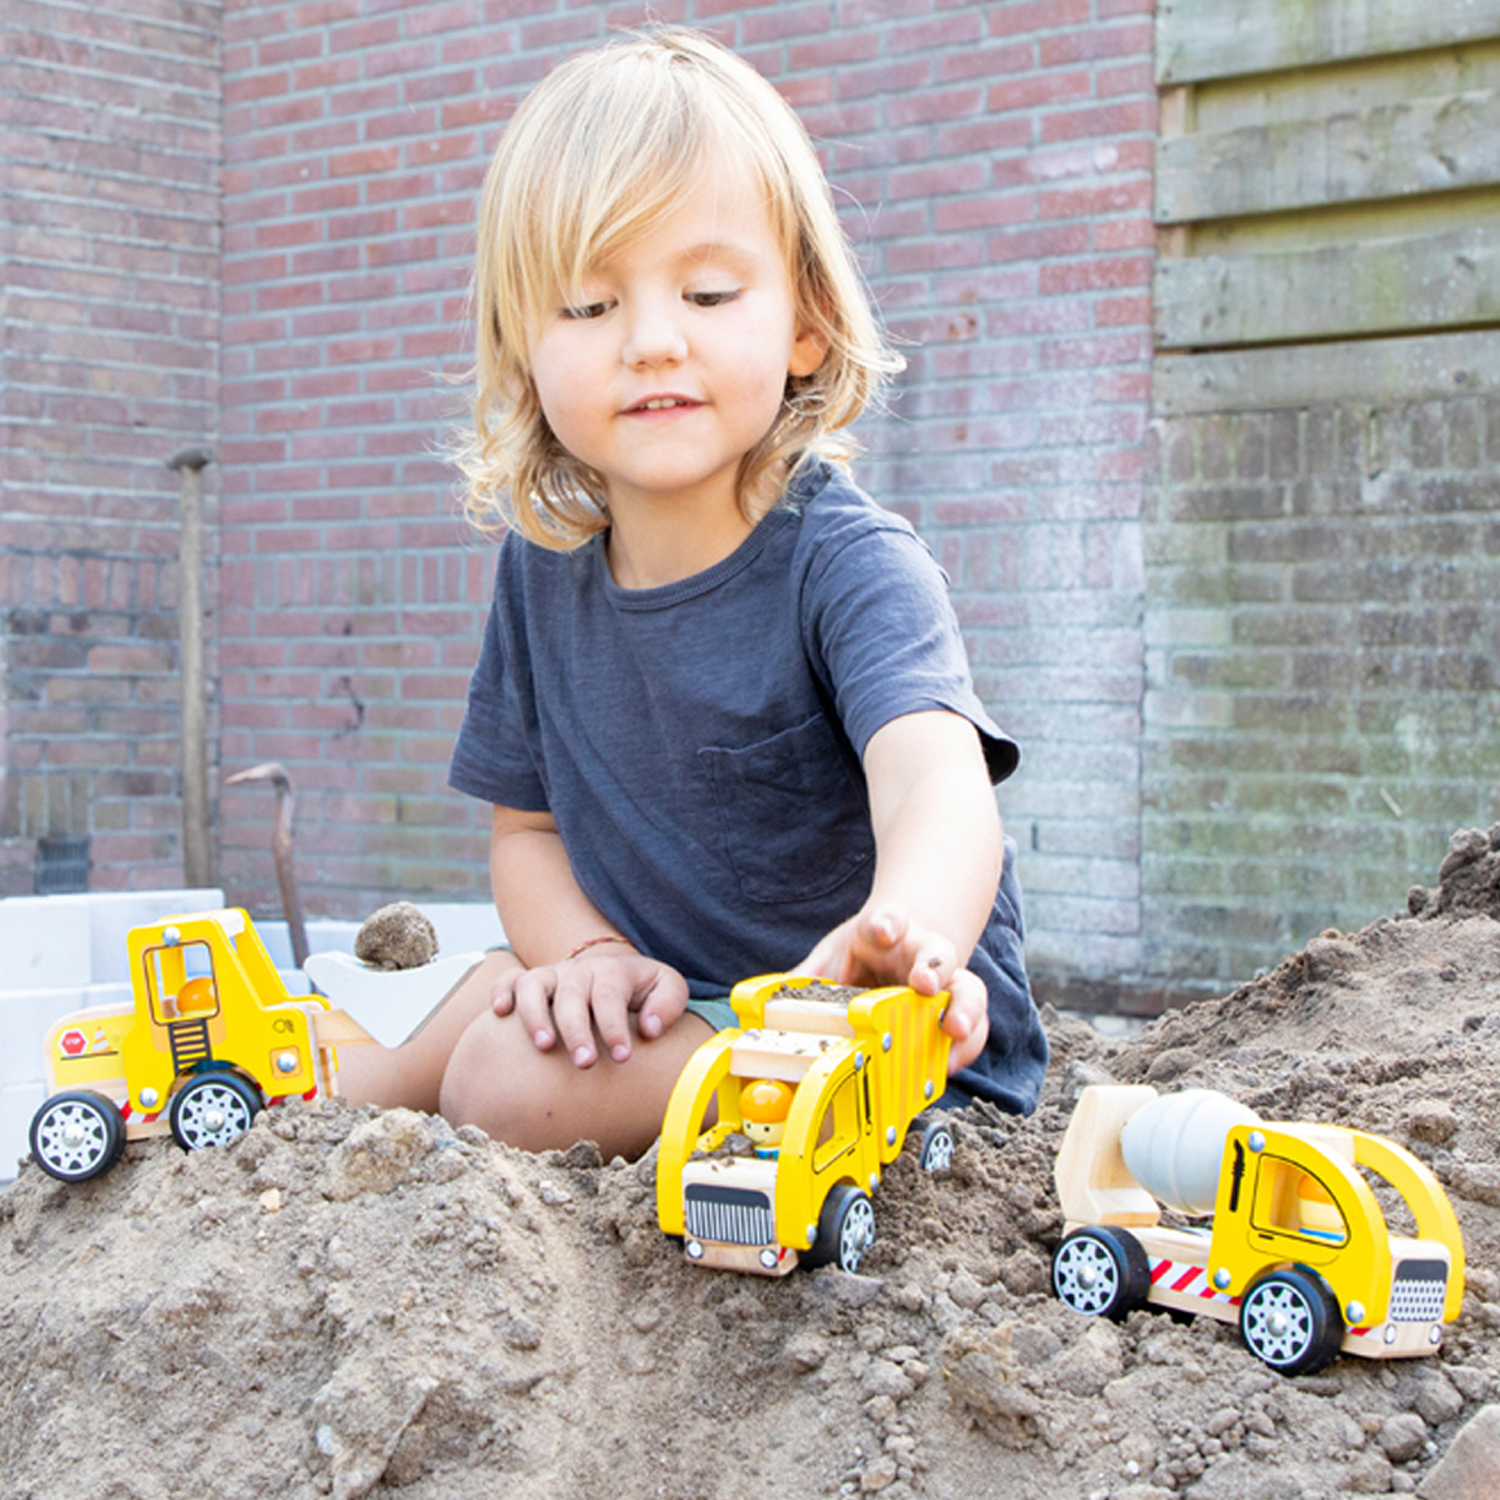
(859, 1071)
(1299, 1255)
(212, 1036)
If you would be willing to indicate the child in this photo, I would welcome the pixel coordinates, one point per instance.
(721, 713)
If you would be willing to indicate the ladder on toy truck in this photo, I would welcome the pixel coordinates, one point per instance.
(211, 1037)
(851, 1070)
(1298, 1253)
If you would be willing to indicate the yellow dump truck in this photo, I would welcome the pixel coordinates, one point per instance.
(211, 1037)
(1298, 1253)
(855, 1068)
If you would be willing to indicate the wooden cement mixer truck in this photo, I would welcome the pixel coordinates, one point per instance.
(1297, 1252)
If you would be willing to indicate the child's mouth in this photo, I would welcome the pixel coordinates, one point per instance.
(661, 403)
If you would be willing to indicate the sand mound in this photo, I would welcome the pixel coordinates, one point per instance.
(354, 1303)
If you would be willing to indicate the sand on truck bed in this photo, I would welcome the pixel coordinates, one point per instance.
(348, 1302)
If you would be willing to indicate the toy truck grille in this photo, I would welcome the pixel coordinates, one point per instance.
(728, 1215)
(1418, 1290)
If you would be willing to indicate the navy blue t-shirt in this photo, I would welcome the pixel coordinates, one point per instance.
(699, 745)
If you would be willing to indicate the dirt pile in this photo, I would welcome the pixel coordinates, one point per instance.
(350, 1303)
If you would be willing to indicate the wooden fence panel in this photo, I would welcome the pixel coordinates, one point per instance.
(1445, 280)
(1199, 39)
(1389, 151)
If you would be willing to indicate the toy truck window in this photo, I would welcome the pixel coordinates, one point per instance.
(1292, 1201)
(180, 983)
(836, 1132)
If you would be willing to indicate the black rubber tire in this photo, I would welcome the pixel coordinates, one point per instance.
(77, 1135)
(937, 1147)
(846, 1229)
(1290, 1320)
(213, 1108)
(1101, 1271)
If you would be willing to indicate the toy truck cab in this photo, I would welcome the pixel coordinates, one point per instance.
(211, 1036)
(1299, 1253)
(856, 1071)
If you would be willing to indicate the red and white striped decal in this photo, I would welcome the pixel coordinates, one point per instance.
(1190, 1280)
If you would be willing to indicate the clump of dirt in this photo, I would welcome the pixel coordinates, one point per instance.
(351, 1302)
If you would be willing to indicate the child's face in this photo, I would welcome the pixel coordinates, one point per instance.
(672, 365)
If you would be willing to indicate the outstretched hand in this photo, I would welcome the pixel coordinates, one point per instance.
(885, 947)
(587, 1000)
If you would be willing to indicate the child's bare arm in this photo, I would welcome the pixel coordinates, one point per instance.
(938, 853)
(571, 983)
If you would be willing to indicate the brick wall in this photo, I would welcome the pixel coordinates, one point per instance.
(109, 245)
(1323, 633)
(996, 163)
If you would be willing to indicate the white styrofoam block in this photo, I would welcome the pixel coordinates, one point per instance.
(389, 1003)
(324, 935)
(26, 1016)
(113, 913)
(18, 1103)
(463, 926)
(45, 942)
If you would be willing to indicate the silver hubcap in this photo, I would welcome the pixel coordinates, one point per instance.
(72, 1138)
(857, 1234)
(1086, 1276)
(212, 1115)
(1278, 1323)
(938, 1156)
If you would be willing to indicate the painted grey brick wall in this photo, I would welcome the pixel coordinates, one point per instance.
(1323, 631)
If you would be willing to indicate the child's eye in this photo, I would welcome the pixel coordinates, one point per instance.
(586, 310)
(711, 299)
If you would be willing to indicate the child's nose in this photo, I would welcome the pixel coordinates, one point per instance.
(654, 337)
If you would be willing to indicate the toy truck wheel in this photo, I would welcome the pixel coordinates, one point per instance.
(937, 1147)
(1101, 1272)
(846, 1229)
(213, 1109)
(1290, 1321)
(76, 1136)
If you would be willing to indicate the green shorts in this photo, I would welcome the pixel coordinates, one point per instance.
(718, 1013)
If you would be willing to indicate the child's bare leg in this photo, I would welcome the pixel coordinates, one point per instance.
(537, 1101)
(412, 1074)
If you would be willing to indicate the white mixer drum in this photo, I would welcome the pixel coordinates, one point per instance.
(1174, 1145)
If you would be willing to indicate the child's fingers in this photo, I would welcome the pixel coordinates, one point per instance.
(531, 999)
(663, 1004)
(967, 1020)
(573, 1015)
(610, 1005)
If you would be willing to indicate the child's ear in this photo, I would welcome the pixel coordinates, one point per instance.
(809, 349)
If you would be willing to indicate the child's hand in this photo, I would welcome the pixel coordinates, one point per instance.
(595, 992)
(876, 948)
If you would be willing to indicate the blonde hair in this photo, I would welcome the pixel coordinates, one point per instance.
(597, 156)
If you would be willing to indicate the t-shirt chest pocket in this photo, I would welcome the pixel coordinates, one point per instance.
(794, 819)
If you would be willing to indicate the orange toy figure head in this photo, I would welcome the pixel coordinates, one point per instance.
(764, 1103)
(195, 996)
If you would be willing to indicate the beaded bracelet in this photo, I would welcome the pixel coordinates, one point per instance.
(594, 943)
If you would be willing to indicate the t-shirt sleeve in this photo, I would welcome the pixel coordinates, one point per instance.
(493, 758)
(883, 636)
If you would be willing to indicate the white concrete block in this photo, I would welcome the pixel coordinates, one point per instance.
(463, 926)
(26, 1016)
(18, 1103)
(45, 942)
(324, 935)
(113, 913)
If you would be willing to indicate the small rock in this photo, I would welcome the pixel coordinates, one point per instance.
(1435, 1399)
(397, 936)
(376, 1155)
(270, 1200)
(877, 1474)
(1402, 1437)
(1466, 846)
(1172, 1063)
(1433, 1121)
